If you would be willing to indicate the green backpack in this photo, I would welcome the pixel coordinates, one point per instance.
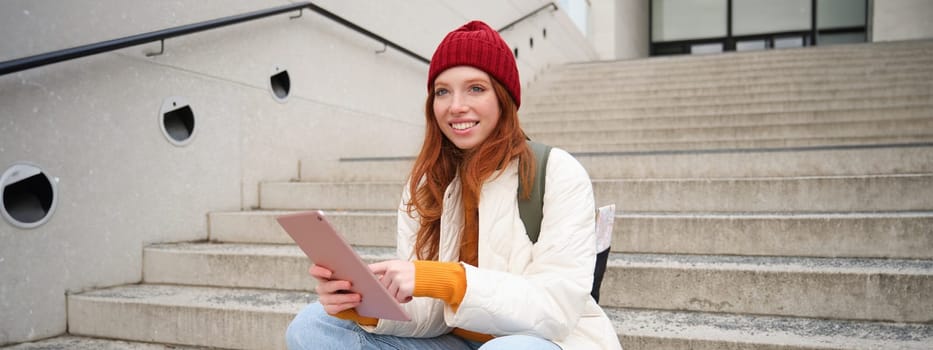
(531, 211)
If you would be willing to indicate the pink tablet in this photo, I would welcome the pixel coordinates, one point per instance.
(324, 246)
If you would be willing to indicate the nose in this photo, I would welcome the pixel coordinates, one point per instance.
(458, 104)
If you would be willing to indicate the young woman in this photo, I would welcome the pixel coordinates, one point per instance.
(468, 274)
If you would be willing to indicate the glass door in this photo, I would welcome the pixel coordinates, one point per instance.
(710, 26)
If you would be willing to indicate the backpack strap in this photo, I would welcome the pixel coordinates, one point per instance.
(531, 210)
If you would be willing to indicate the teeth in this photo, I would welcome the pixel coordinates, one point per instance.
(463, 126)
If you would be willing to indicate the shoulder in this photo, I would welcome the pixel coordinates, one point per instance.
(562, 166)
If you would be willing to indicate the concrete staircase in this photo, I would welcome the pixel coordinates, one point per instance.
(770, 200)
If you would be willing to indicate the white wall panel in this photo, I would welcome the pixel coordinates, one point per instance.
(902, 20)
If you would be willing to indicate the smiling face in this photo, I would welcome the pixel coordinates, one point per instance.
(465, 106)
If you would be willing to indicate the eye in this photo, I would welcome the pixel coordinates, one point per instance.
(477, 88)
(440, 92)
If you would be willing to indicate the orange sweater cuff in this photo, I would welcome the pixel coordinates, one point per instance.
(440, 280)
(351, 315)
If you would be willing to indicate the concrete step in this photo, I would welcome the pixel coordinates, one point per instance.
(70, 342)
(803, 57)
(280, 266)
(877, 128)
(866, 235)
(803, 161)
(857, 289)
(360, 169)
(736, 108)
(626, 120)
(795, 90)
(583, 101)
(819, 67)
(641, 329)
(763, 74)
(330, 195)
(192, 316)
(236, 265)
(910, 192)
(812, 161)
(806, 287)
(820, 55)
(773, 162)
(896, 235)
(733, 145)
(663, 85)
(668, 80)
(686, 88)
(867, 50)
(913, 192)
(358, 227)
(678, 83)
(151, 312)
(861, 110)
(874, 49)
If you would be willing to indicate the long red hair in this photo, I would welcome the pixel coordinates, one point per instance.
(440, 160)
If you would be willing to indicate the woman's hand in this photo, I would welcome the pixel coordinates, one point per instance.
(333, 294)
(397, 276)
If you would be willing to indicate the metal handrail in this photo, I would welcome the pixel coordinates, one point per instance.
(532, 13)
(34, 61)
(363, 31)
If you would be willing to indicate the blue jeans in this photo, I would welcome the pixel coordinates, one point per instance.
(315, 329)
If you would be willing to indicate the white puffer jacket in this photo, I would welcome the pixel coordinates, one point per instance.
(540, 289)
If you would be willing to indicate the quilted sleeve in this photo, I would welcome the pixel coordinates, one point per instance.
(547, 297)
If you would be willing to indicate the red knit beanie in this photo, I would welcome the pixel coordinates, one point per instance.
(475, 44)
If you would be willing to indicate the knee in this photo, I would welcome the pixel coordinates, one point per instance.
(305, 327)
(293, 336)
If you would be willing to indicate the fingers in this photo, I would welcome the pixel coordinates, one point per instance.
(332, 287)
(320, 273)
(336, 309)
(335, 303)
(390, 286)
(379, 268)
(398, 290)
(335, 297)
(398, 278)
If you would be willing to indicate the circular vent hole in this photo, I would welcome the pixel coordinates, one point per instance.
(29, 196)
(281, 84)
(177, 121)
